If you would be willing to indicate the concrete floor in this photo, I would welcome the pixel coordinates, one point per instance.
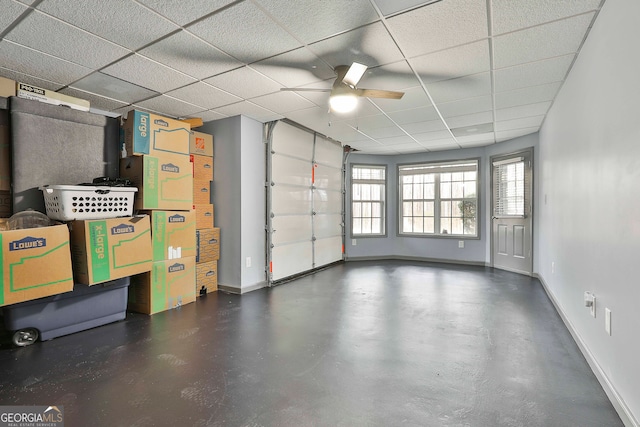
(358, 344)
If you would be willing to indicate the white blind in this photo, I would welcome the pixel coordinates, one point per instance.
(511, 181)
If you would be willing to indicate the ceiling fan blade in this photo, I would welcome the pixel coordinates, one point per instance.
(304, 89)
(377, 93)
(354, 74)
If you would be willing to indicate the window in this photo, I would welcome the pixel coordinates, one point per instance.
(509, 187)
(368, 187)
(439, 199)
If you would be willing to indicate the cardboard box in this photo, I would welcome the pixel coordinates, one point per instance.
(204, 216)
(109, 249)
(7, 87)
(173, 234)
(36, 263)
(5, 204)
(27, 91)
(208, 245)
(153, 135)
(201, 191)
(206, 277)
(201, 143)
(169, 284)
(202, 167)
(164, 183)
(5, 152)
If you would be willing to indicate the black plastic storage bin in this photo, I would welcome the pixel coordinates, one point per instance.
(83, 308)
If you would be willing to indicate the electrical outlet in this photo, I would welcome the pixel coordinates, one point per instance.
(593, 306)
(248, 262)
(354, 242)
(461, 243)
(607, 321)
(553, 267)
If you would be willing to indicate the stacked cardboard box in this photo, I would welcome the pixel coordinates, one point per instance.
(208, 237)
(158, 163)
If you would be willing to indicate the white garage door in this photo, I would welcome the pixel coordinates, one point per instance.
(305, 201)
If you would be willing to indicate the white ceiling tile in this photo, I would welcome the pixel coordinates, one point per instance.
(397, 76)
(129, 24)
(432, 136)
(510, 134)
(169, 106)
(27, 61)
(527, 95)
(25, 78)
(440, 144)
(245, 32)
(466, 106)
(96, 101)
(209, 116)
(123, 111)
(10, 11)
(382, 132)
(282, 102)
(470, 119)
(114, 88)
(390, 7)
(315, 118)
(204, 95)
(147, 73)
(534, 74)
(408, 148)
(183, 12)
(459, 61)
(424, 127)
(95, 52)
(312, 20)
(187, 53)
(296, 68)
(523, 123)
(476, 140)
(244, 82)
(368, 123)
(395, 140)
(439, 26)
(365, 145)
(528, 110)
(249, 109)
(415, 115)
(364, 108)
(460, 88)
(27, 2)
(413, 98)
(344, 133)
(511, 15)
(370, 45)
(545, 41)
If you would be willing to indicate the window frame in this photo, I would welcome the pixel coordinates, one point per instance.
(384, 201)
(438, 200)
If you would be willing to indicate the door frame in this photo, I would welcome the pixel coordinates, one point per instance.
(529, 152)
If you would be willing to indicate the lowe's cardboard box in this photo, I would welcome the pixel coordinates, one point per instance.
(109, 249)
(153, 135)
(173, 234)
(36, 263)
(169, 284)
(201, 144)
(164, 183)
(204, 216)
(208, 244)
(202, 167)
(206, 277)
(201, 191)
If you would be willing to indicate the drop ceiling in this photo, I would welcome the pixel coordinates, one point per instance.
(474, 72)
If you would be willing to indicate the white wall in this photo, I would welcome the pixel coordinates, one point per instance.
(239, 201)
(589, 225)
(476, 251)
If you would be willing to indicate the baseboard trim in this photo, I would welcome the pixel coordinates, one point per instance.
(618, 403)
(419, 259)
(231, 289)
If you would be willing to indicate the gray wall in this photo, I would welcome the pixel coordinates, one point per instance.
(239, 201)
(589, 217)
(476, 251)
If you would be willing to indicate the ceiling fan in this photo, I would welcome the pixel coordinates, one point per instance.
(345, 93)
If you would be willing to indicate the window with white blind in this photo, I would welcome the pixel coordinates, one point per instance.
(368, 188)
(509, 186)
(439, 199)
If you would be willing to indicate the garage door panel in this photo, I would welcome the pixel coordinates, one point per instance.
(290, 200)
(327, 225)
(326, 152)
(328, 177)
(288, 260)
(326, 201)
(292, 141)
(286, 170)
(328, 250)
(291, 228)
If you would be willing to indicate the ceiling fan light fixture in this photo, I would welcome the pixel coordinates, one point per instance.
(343, 103)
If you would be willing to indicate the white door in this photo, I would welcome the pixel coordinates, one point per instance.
(512, 220)
(305, 201)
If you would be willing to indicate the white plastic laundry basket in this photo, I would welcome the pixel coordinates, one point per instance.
(71, 202)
